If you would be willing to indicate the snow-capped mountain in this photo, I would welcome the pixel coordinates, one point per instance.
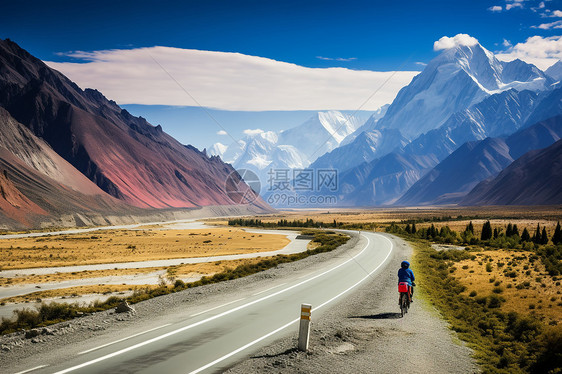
(320, 134)
(455, 80)
(499, 112)
(367, 146)
(555, 71)
(295, 148)
(368, 125)
(217, 149)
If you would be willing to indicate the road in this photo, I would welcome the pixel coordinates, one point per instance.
(210, 340)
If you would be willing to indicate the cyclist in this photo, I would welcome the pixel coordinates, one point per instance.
(405, 274)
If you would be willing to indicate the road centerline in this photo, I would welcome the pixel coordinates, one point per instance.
(217, 307)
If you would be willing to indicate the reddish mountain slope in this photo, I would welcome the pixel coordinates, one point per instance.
(123, 155)
(37, 184)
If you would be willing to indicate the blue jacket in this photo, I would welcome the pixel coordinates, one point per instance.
(406, 275)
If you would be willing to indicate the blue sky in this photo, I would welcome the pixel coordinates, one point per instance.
(354, 35)
(378, 35)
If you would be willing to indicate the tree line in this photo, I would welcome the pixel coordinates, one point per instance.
(308, 223)
(487, 234)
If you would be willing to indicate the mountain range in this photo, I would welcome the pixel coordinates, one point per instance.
(73, 150)
(464, 127)
(478, 97)
(294, 148)
(533, 179)
(476, 161)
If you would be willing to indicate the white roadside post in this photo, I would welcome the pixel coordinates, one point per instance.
(304, 329)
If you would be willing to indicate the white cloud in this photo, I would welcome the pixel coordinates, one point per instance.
(217, 149)
(230, 81)
(253, 132)
(506, 43)
(548, 26)
(459, 39)
(495, 8)
(421, 63)
(336, 58)
(537, 50)
(222, 132)
(556, 13)
(513, 5)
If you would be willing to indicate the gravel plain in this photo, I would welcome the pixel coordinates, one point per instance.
(359, 334)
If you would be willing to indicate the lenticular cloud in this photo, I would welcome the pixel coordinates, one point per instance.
(229, 81)
(457, 40)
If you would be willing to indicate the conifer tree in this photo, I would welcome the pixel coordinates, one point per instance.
(486, 231)
(469, 227)
(515, 230)
(414, 228)
(509, 230)
(537, 236)
(544, 236)
(525, 236)
(557, 237)
(408, 229)
(496, 234)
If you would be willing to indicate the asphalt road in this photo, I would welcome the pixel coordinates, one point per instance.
(212, 339)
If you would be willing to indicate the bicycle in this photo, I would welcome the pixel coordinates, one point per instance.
(404, 299)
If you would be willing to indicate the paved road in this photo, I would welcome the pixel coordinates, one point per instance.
(213, 339)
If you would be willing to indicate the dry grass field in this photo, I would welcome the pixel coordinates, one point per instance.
(72, 292)
(132, 245)
(513, 275)
(60, 277)
(386, 215)
(172, 273)
(524, 217)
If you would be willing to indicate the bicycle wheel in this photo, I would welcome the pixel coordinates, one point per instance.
(403, 309)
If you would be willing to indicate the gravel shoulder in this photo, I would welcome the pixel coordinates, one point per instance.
(361, 333)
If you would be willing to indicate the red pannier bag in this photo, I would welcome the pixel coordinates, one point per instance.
(402, 287)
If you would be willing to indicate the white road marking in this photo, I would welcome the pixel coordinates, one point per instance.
(35, 368)
(269, 289)
(124, 350)
(361, 281)
(210, 364)
(296, 320)
(217, 307)
(120, 340)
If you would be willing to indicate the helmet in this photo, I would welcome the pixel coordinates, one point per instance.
(405, 264)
